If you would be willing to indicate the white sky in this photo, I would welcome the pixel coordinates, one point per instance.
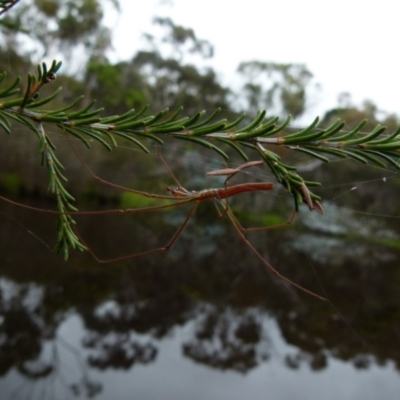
(349, 45)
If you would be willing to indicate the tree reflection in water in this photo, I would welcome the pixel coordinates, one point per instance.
(226, 339)
(225, 298)
(30, 344)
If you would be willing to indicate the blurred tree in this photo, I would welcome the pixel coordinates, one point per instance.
(159, 76)
(281, 88)
(178, 36)
(55, 26)
(353, 115)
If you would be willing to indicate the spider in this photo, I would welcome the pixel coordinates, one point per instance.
(179, 196)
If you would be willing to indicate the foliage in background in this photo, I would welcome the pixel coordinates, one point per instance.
(56, 26)
(287, 86)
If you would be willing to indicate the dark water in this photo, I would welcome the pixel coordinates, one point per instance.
(204, 320)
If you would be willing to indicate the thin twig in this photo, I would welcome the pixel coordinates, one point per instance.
(7, 8)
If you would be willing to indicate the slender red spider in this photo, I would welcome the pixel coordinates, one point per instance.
(180, 196)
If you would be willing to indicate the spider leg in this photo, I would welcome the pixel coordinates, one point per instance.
(264, 228)
(113, 185)
(147, 252)
(269, 267)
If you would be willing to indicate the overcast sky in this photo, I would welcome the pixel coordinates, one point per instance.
(349, 45)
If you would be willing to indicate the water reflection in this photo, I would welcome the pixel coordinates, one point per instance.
(218, 309)
(227, 339)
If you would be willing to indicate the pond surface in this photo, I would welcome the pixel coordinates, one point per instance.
(204, 320)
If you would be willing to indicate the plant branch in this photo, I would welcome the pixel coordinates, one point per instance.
(87, 123)
(6, 5)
